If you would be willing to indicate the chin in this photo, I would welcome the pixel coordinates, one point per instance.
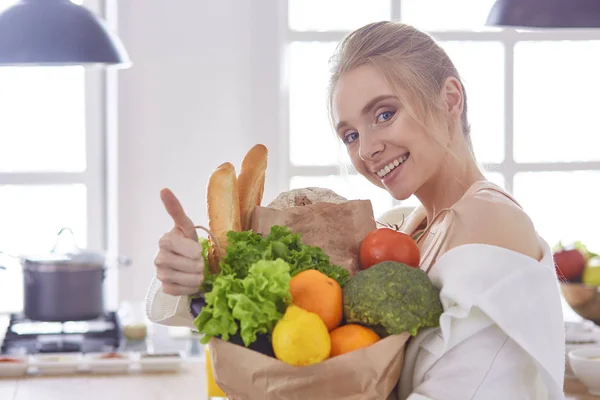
(400, 191)
(401, 196)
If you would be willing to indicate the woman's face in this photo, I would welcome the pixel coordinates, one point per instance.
(386, 145)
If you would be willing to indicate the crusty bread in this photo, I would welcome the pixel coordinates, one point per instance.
(304, 197)
(223, 207)
(251, 183)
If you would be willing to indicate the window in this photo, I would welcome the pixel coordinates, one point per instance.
(532, 105)
(51, 163)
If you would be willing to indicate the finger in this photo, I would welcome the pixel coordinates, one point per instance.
(167, 260)
(178, 290)
(185, 279)
(175, 242)
(180, 218)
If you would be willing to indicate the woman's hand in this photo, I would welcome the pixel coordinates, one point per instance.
(179, 263)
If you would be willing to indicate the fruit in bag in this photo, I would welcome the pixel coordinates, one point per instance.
(301, 338)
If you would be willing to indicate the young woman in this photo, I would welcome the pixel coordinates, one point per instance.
(398, 104)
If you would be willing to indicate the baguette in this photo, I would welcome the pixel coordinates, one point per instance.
(223, 209)
(251, 183)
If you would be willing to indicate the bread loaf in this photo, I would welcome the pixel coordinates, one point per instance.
(305, 197)
(251, 183)
(223, 208)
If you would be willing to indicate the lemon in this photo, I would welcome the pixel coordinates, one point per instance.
(301, 338)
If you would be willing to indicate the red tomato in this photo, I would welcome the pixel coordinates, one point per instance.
(385, 244)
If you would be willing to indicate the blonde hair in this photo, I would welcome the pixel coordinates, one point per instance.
(411, 61)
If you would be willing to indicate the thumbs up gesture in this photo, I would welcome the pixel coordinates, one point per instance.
(179, 262)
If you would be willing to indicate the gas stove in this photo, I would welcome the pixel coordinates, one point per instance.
(24, 336)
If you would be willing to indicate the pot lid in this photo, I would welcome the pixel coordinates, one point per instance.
(74, 255)
(77, 257)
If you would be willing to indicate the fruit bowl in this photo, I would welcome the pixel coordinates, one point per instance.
(586, 366)
(583, 299)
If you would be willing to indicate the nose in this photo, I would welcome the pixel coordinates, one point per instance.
(370, 148)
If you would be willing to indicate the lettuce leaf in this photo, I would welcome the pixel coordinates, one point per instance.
(246, 248)
(216, 319)
(251, 290)
(256, 302)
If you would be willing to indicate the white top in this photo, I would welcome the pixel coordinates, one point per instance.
(165, 309)
(491, 344)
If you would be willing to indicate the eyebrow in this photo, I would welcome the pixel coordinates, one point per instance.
(367, 108)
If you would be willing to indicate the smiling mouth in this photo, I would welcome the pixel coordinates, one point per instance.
(392, 165)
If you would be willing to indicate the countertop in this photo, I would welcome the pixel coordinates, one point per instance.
(575, 390)
(188, 383)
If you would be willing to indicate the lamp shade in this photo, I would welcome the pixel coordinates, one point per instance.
(57, 32)
(546, 13)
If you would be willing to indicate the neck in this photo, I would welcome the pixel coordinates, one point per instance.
(457, 174)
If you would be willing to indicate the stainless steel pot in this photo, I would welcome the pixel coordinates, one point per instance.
(66, 286)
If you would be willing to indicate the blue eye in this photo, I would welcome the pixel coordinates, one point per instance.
(385, 116)
(350, 137)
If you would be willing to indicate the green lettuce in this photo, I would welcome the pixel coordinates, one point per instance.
(251, 290)
(253, 303)
(246, 248)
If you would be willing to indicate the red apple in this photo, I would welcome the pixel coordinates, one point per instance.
(569, 264)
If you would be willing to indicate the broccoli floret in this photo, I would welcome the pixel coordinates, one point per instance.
(392, 298)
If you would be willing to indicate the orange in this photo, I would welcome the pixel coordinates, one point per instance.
(314, 291)
(351, 337)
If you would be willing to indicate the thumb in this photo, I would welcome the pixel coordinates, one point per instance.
(180, 218)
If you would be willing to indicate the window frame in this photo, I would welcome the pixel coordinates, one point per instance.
(93, 176)
(100, 127)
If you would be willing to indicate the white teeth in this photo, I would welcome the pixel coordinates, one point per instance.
(388, 168)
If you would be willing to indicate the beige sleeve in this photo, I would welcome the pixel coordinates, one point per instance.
(164, 309)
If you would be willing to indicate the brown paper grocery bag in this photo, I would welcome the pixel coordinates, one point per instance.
(370, 373)
(338, 229)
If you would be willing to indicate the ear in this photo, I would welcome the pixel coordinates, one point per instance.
(452, 96)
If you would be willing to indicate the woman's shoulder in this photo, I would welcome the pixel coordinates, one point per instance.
(489, 215)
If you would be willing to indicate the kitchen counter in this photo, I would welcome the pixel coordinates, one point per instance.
(575, 390)
(188, 383)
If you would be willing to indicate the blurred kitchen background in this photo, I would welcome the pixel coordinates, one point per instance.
(90, 149)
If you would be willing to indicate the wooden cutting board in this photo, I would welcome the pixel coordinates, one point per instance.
(575, 390)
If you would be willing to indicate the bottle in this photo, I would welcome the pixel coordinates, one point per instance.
(214, 391)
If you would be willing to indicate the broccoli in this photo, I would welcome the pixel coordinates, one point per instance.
(392, 298)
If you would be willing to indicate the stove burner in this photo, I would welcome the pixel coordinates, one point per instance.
(30, 337)
(59, 344)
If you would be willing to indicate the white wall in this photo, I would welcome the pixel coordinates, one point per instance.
(203, 89)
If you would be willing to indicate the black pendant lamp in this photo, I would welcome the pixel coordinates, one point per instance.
(57, 33)
(546, 13)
